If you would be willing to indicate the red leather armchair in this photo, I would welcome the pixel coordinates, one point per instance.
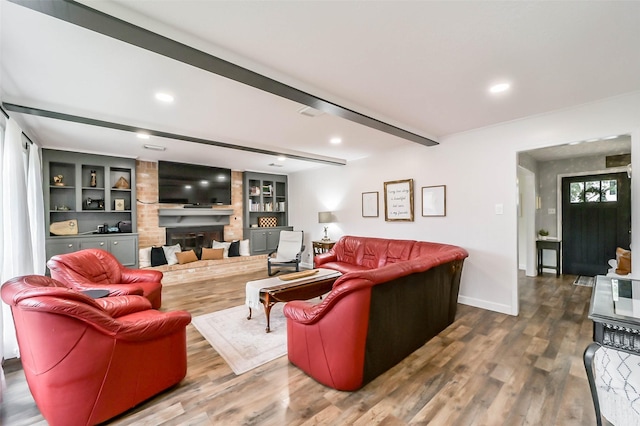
(98, 269)
(84, 366)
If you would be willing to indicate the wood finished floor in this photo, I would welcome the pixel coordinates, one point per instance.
(485, 369)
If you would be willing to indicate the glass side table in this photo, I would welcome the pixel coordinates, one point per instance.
(615, 312)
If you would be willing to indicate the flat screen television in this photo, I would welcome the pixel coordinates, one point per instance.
(193, 185)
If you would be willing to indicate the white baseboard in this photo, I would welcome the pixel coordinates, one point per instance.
(484, 304)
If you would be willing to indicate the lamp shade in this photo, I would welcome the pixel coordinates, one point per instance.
(324, 217)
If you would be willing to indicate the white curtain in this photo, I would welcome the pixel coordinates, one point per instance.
(2, 305)
(17, 253)
(36, 210)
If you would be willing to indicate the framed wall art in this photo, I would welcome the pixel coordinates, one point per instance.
(370, 204)
(398, 200)
(434, 200)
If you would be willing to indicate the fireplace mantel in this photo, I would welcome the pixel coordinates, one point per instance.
(181, 217)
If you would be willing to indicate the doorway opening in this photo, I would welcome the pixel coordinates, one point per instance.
(549, 166)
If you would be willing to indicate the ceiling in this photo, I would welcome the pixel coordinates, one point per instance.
(423, 66)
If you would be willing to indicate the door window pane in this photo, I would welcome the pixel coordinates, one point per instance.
(609, 190)
(592, 192)
(577, 192)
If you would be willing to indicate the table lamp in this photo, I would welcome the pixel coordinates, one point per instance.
(325, 217)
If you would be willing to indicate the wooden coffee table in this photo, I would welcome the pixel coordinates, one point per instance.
(279, 289)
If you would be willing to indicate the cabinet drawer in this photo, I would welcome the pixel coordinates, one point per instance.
(99, 243)
(61, 246)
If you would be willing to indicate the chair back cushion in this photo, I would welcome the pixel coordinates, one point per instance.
(289, 246)
(90, 265)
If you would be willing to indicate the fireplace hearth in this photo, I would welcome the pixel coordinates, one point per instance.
(194, 238)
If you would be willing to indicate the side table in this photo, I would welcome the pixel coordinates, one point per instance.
(551, 244)
(321, 246)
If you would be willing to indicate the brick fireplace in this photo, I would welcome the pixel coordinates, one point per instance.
(151, 232)
(194, 238)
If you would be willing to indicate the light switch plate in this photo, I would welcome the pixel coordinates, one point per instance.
(499, 209)
(551, 211)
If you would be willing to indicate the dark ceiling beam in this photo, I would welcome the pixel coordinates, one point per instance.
(94, 20)
(127, 128)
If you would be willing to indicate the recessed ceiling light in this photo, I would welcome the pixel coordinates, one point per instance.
(143, 136)
(164, 97)
(574, 143)
(154, 147)
(309, 112)
(592, 140)
(281, 158)
(611, 137)
(499, 88)
(335, 141)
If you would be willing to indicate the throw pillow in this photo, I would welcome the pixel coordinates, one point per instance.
(144, 257)
(624, 261)
(234, 249)
(157, 256)
(222, 245)
(212, 253)
(170, 253)
(186, 257)
(244, 248)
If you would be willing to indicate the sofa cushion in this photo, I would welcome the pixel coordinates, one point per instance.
(186, 257)
(170, 253)
(223, 245)
(349, 250)
(144, 257)
(234, 249)
(624, 261)
(344, 267)
(212, 253)
(158, 257)
(244, 248)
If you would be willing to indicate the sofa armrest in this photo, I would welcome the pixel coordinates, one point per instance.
(131, 276)
(308, 313)
(323, 258)
(151, 324)
(118, 306)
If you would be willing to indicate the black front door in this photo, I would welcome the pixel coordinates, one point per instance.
(596, 218)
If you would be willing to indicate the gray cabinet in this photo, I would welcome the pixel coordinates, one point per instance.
(265, 210)
(123, 246)
(95, 191)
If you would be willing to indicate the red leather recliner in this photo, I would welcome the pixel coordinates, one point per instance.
(98, 269)
(84, 366)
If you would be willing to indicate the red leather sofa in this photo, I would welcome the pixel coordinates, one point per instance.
(98, 269)
(393, 296)
(84, 365)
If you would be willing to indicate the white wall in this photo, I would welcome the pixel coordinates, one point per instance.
(479, 169)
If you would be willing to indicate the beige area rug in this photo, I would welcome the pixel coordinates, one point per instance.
(243, 343)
